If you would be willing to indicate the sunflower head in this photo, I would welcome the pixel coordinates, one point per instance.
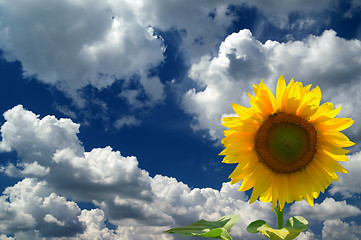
(287, 148)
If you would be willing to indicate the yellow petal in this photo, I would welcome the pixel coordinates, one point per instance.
(237, 158)
(339, 158)
(329, 147)
(282, 191)
(324, 113)
(334, 124)
(329, 163)
(258, 107)
(305, 187)
(243, 112)
(281, 87)
(336, 138)
(265, 180)
(267, 99)
(243, 170)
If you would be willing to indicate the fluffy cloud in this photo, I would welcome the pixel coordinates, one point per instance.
(94, 221)
(23, 129)
(350, 183)
(73, 43)
(308, 235)
(31, 209)
(328, 209)
(327, 60)
(53, 150)
(337, 229)
(124, 194)
(31, 206)
(175, 204)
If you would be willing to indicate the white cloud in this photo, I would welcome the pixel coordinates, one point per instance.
(31, 206)
(278, 11)
(201, 24)
(349, 184)
(35, 169)
(143, 232)
(95, 226)
(24, 129)
(186, 205)
(73, 43)
(4, 237)
(25, 169)
(327, 60)
(104, 170)
(126, 195)
(328, 209)
(51, 219)
(126, 121)
(54, 145)
(205, 22)
(308, 235)
(225, 79)
(336, 229)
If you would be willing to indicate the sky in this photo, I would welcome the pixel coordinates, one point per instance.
(111, 111)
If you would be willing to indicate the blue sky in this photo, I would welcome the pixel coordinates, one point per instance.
(112, 111)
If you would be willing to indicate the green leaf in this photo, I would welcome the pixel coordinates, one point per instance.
(297, 222)
(294, 226)
(256, 225)
(212, 229)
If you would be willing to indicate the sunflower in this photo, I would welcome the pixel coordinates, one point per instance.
(287, 148)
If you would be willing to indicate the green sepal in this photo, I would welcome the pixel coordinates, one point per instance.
(294, 226)
(212, 229)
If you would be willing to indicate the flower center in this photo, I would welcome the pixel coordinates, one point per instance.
(285, 143)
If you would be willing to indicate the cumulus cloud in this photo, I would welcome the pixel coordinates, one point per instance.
(95, 227)
(308, 235)
(54, 145)
(337, 229)
(349, 184)
(327, 60)
(73, 44)
(31, 210)
(328, 209)
(124, 194)
(31, 206)
(26, 169)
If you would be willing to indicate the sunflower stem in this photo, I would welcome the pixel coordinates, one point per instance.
(280, 214)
